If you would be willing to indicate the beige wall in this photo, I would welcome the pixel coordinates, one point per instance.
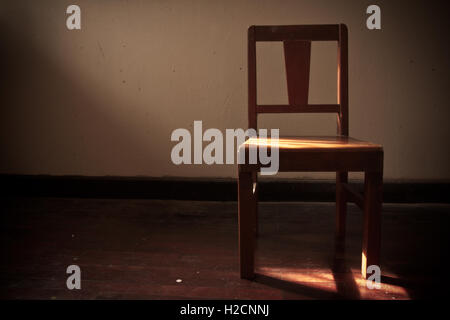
(104, 100)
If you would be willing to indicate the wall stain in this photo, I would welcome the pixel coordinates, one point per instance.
(101, 49)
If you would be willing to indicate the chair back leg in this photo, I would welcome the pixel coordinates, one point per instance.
(341, 205)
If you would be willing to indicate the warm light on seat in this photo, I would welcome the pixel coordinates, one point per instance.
(334, 142)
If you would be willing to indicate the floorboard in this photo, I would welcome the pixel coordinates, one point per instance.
(137, 249)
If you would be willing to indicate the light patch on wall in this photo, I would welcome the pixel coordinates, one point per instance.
(270, 73)
(323, 74)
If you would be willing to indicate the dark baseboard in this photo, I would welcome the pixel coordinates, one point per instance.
(206, 189)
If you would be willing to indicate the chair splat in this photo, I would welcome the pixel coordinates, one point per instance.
(297, 56)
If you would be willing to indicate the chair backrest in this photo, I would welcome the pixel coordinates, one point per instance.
(297, 51)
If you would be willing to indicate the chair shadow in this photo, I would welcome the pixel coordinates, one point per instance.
(346, 286)
(293, 287)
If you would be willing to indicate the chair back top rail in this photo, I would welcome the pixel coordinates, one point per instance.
(324, 32)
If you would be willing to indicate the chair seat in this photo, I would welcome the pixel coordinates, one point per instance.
(315, 143)
(319, 153)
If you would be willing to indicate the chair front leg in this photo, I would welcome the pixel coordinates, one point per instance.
(255, 188)
(247, 224)
(372, 220)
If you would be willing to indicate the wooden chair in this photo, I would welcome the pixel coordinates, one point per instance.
(339, 154)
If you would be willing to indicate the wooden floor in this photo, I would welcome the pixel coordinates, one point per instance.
(137, 249)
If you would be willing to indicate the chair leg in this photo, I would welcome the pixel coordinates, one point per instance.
(255, 188)
(341, 205)
(372, 220)
(247, 225)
